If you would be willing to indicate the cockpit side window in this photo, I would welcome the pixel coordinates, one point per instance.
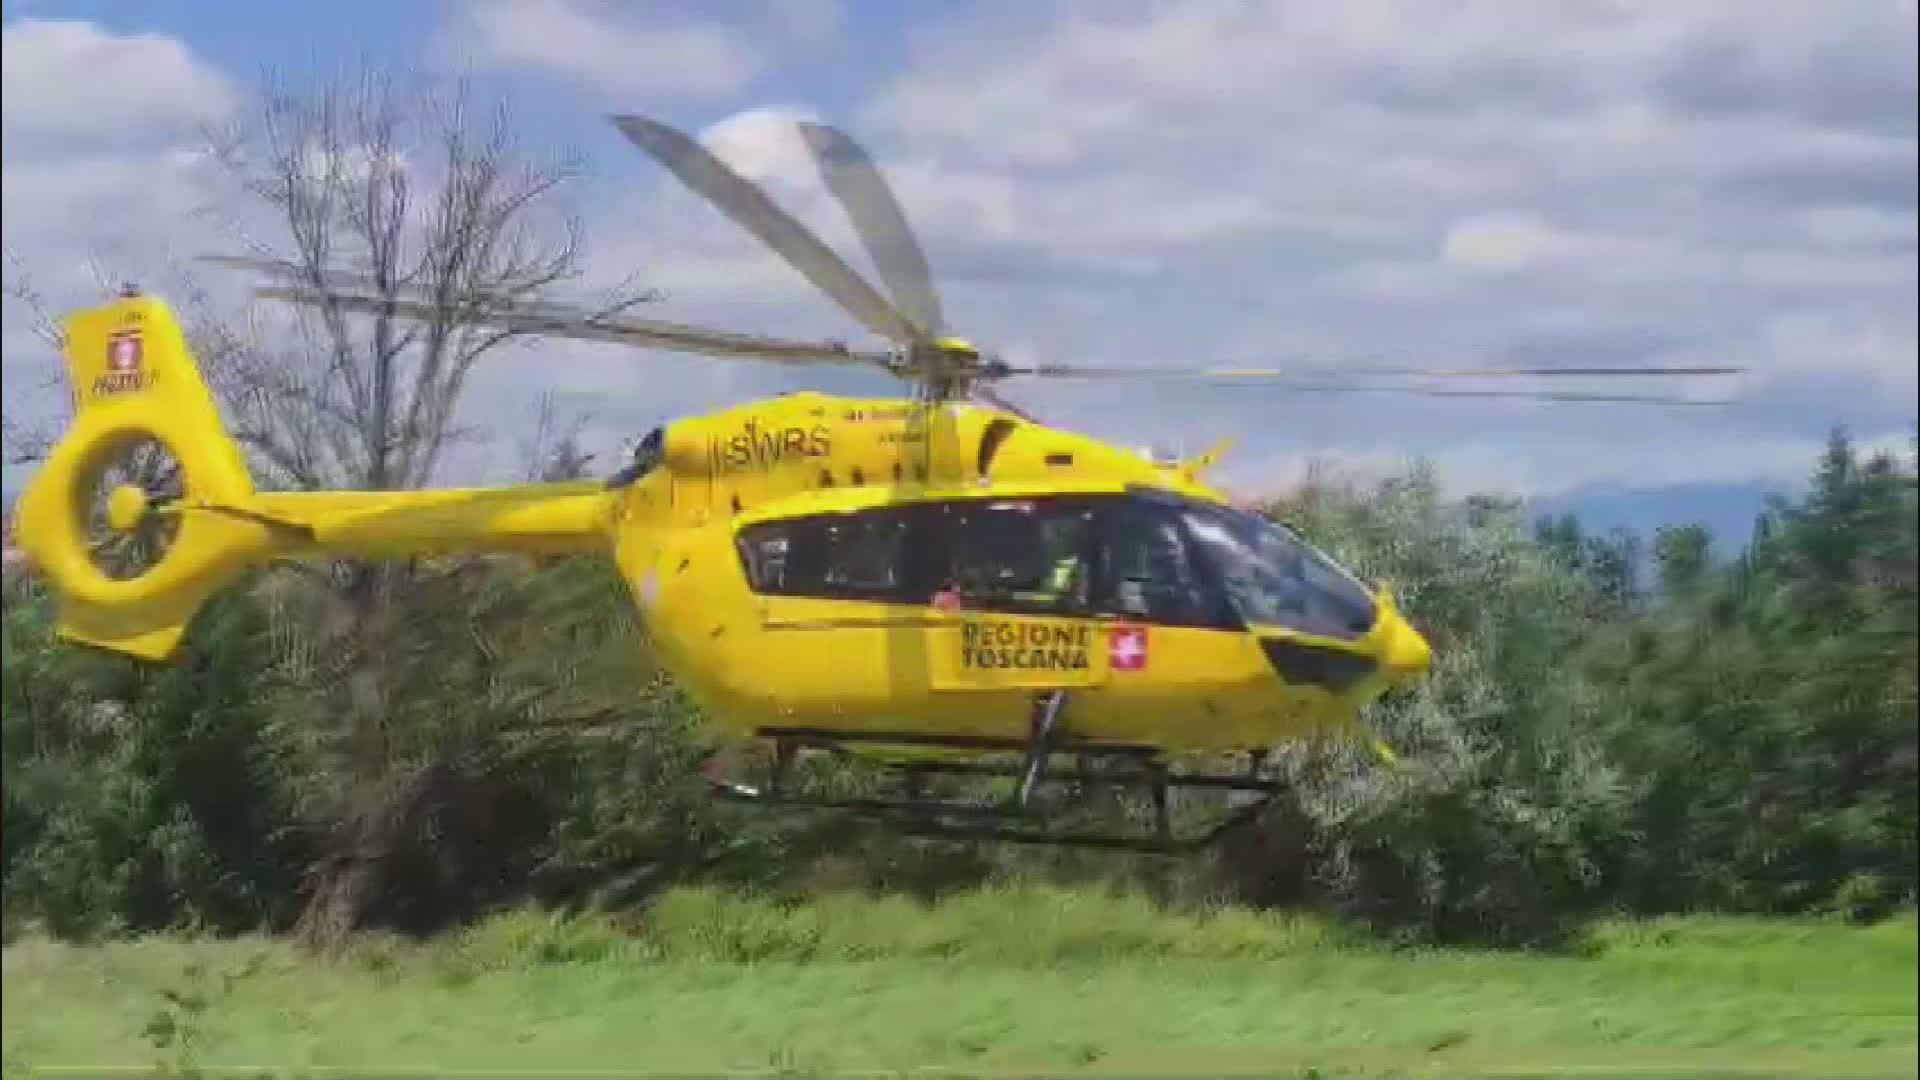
(1147, 569)
(1275, 577)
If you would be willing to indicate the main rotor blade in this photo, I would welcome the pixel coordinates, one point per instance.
(856, 182)
(1288, 386)
(1522, 395)
(301, 277)
(558, 320)
(1074, 371)
(750, 208)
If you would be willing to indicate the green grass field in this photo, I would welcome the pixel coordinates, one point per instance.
(984, 984)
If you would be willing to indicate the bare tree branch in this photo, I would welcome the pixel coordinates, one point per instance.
(415, 194)
(420, 195)
(25, 443)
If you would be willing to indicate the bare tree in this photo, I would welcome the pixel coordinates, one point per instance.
(25, 442)
(555, 451)
(406, 194)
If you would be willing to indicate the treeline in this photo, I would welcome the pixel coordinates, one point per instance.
(1609, 727)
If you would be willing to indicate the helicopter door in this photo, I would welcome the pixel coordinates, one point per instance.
(1179, 654)
(843, 616)
(1013, 583)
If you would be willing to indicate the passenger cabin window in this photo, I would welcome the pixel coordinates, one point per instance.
(1147, 569)
(1023, 556)
(857, 556)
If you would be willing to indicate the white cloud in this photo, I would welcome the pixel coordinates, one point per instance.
(764, 145)
(1845, 227)
(1150, 181)
(71, 80)
(101, 169)
(1589, 184)
(627, 52)
(100, 182)
(1507, 241)
(1859, 341)
(101, 132)
(805, 22)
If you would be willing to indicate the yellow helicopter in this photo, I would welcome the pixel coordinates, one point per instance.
(939, 582)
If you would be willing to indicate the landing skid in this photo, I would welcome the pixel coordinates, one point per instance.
(1001, 820)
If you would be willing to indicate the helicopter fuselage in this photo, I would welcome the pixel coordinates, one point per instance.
(866, 567)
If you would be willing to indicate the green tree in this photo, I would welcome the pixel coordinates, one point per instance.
(1682, 555)
(1766, 719)
(1487, 830)
(139, 797)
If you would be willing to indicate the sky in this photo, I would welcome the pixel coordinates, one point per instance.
(1214, 182)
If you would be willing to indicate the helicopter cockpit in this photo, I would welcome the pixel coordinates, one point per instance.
(1196, 557)
(1273, 576)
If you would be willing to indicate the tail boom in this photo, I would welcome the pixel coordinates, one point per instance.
(134, 379)
(533, 519)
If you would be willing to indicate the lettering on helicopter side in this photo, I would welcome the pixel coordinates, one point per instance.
(988, 644)
(126, 365)
(876, 414)
(755, 447)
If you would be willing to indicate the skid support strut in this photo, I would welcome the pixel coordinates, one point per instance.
(1046, 713)
(1024, 760)
(1162, 816)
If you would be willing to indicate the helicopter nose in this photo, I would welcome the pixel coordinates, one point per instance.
(1405, 655)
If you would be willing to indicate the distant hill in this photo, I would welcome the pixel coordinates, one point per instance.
(1727, 510)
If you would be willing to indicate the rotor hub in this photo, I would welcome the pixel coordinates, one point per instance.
(946, 366)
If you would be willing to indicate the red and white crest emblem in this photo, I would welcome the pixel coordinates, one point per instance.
(123, 353)
(1127, 648)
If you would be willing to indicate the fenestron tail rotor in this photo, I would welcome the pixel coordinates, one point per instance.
(130, 491)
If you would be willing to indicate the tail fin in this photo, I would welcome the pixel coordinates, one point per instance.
(133, 380)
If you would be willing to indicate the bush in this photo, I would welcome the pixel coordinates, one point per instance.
(1487, 829)
(1741, 739)
(141, 797)
(1766, 717)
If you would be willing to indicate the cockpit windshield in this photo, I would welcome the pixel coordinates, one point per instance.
(1273, 576)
